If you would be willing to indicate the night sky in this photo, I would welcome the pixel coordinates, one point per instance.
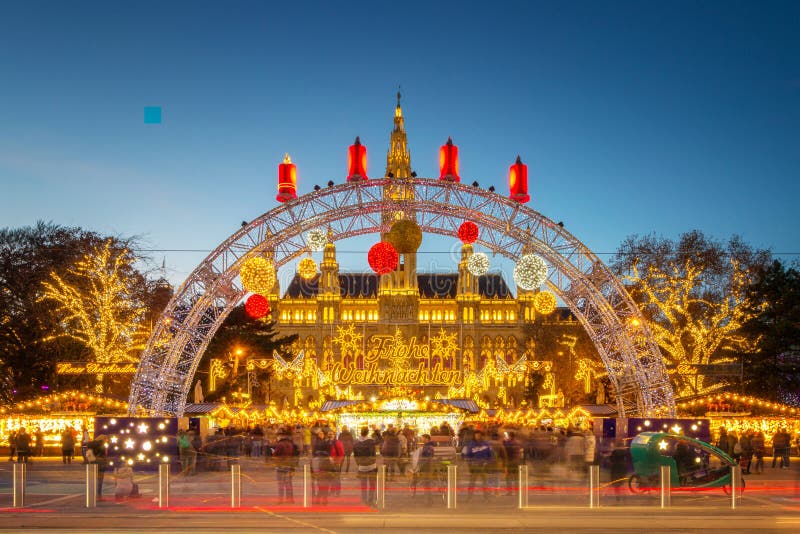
(633, 117)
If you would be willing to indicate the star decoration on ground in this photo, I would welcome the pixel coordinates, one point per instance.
(142, 428)
(129, 443)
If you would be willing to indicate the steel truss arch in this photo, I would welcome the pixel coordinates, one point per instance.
(596, 297)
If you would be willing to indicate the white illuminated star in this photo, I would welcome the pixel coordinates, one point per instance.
(129, 443)
(114, 439)
(662, 445)
(142, 428)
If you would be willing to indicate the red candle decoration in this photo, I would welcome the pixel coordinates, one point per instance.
(518, 181)
(468, 232)
(287, 180)
(448, 162)
(383, 258)
(357, 162)
(256, 306)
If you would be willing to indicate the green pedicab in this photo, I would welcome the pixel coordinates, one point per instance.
(693, 463)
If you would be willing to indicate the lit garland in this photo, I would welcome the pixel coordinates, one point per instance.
(468, 232)
(316, 239)
(478, 264)
(530, 272)
(405, 236)
(257, 306)
(71, 400)
(383, 258)
(307, 268)
(258, 275)
(544, 302)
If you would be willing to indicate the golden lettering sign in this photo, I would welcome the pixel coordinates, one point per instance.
(371, 374)
(91, 368)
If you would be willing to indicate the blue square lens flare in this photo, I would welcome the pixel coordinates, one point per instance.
(152, 114)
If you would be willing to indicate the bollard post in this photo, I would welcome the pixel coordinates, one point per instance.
(236, 486)
(19, 484)
(666, 487)
(163, 485)
(452, 486)
(381, 488)
(306, 486)
(91, 485)
(736, 484)
(523, 486)
(594, 486)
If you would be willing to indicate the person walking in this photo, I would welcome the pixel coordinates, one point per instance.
(514, 453)
(67, 446)
(84, 441)
(425, 467)
(367, 465)
(390, 450)
(346, 437)
(285, 455)
(337, 458)
(23, 445)
(321, 467)
(12, 444)
(778, 444)
(39, 442)
(574, 448)
(98, 448)
(479, 456)
(757, 443)
(747, 452)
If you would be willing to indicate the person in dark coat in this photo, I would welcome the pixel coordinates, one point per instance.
(98, 448)
(618, 461)
(67, 446)
(23, 445)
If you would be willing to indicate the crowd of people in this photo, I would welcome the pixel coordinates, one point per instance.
(749, 448)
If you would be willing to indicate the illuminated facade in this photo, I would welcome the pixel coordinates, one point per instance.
(454, 335)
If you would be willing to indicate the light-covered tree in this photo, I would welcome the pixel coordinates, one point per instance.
(692, 292)
(99, 304)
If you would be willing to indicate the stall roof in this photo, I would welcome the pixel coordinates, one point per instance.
(463, 404)
(600, 410)
(336, 404)
(202, 408)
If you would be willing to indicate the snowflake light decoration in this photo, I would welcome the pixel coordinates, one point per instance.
(316, 239)
(530, 272)
(348, 339)
(258, 275)
(444, 345)
(544, 302)
(478, 264)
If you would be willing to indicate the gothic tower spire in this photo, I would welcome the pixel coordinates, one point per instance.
(398, 158)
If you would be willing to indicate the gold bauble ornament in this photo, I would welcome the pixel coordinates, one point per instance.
(405, 236)
(307, 268)
(544, 302)
(258, 275)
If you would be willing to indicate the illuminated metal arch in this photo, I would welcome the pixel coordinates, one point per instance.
(584, 283)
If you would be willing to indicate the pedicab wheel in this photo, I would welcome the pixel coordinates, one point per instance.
(635, 484)
(727, 488)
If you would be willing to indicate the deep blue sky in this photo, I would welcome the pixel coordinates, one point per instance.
(633, 117)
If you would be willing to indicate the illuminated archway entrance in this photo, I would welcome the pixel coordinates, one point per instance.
(584, 283)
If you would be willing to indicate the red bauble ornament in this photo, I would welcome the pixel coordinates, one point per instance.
(257, 306)
(468, 232)
(383, 258)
